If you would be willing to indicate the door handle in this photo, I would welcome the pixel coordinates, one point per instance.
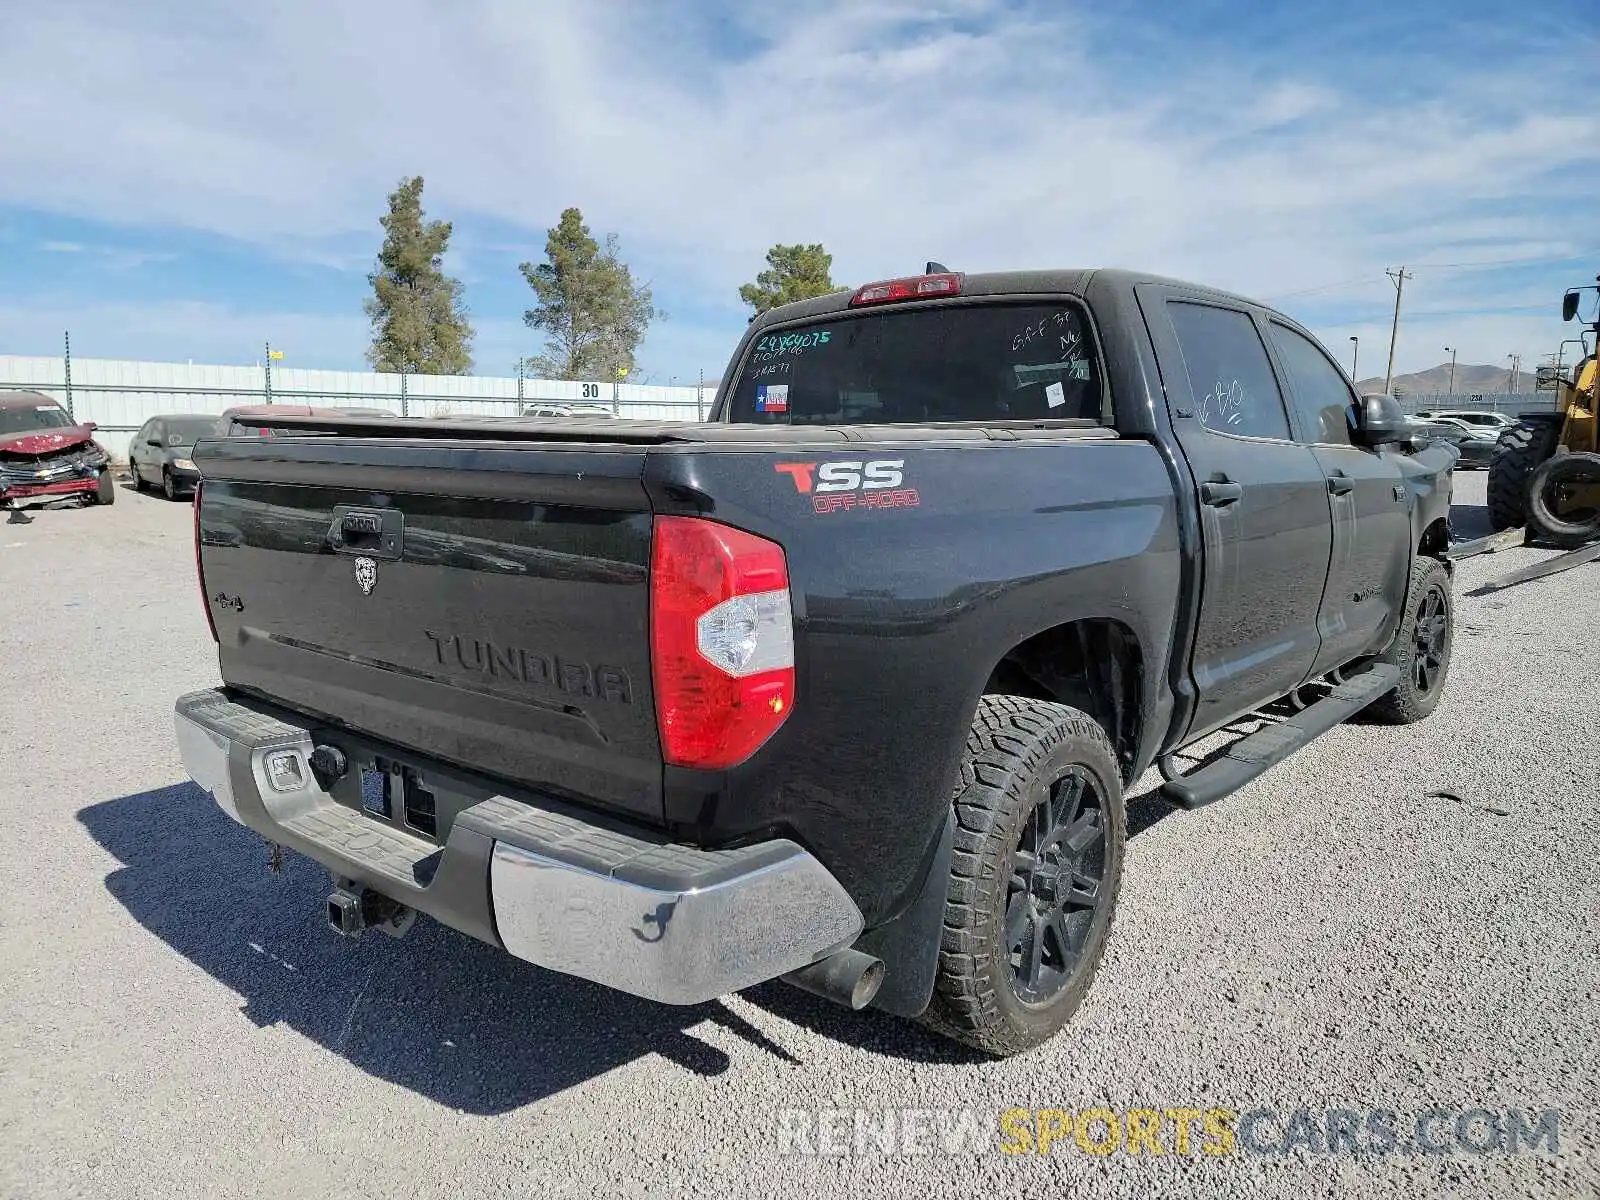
(1340, 484)
(1218, 492)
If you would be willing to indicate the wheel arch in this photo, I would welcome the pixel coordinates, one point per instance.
(1435, 539)
(1096, 664)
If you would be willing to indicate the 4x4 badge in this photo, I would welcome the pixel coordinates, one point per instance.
(366, 575)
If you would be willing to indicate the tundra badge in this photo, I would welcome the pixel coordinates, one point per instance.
(366, 575)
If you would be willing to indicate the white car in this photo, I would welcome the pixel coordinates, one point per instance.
(1491, 423)
(1482, 433)
(562, 409)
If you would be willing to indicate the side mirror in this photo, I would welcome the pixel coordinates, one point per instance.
(91, 426)
(1379, 421)
(156, 442)
(1569, 305)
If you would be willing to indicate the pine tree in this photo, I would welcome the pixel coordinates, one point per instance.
(419, 323)
(795, 272)
(592, 314)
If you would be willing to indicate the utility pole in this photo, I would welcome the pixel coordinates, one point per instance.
(268, 369)
(1452, 352)
(1516, 370)
(519, 387)
(1399, 279)
(1355, 356)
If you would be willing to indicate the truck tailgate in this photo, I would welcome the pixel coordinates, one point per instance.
(484, 604)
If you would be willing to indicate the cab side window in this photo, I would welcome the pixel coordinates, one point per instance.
(1322, 400)
(1230, 375)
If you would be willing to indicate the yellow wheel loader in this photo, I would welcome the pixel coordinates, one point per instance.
(1546, 469)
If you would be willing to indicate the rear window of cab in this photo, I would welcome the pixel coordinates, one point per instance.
(966, 362)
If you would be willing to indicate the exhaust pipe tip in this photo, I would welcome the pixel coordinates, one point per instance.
(847, 977)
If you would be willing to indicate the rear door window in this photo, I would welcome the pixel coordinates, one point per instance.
(968, 362)
(1230, 375)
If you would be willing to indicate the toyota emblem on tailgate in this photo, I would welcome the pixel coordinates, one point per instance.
(366, 575)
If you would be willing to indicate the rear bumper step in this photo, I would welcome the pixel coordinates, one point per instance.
(555, 887)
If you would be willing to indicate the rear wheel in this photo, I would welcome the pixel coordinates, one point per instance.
(1564, 500)
(1520, 451)
(1422, 647)
(1041, 831)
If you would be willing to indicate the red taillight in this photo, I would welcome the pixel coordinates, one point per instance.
(199, 569)
(916, 287)
(721, 641)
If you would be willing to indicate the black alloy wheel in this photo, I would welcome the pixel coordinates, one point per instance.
(1056, 887)
(1432, 636)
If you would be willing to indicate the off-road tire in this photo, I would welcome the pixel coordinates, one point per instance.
(1543, 522)
(1520, 451)
(105, 491)
(1411, 701)
(1014, 746)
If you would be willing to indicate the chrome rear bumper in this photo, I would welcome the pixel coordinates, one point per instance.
(548, 883)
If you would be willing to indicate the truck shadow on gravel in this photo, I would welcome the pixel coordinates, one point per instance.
(436, 1012)
(456, 1021)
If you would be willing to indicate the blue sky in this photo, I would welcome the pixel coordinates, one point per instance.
(184, 181)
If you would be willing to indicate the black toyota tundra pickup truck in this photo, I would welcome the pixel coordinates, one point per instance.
(844, 686)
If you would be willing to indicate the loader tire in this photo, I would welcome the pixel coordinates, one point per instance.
(1041, 831)
(1547, 519)
(1521, 450)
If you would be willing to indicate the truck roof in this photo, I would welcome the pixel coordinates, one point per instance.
(1071, 280)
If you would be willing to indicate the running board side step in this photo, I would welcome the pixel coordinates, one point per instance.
(1265, 748)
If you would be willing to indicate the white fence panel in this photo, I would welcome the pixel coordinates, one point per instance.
(121, 395)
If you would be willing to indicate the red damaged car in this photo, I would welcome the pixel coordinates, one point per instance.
(44, 454)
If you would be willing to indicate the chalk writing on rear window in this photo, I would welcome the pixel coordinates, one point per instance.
(776, 345)
(1064, 320)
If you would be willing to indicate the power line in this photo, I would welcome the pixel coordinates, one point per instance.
(1437, 312)
(1487, 262)
(1326, 287)
(1510, 262)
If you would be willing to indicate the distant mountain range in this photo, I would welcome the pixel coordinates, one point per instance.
(1436, 381)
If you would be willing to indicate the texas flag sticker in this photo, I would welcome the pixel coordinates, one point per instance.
(772, 397)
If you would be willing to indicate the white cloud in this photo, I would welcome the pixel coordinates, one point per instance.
(61, 248)
(872, 126)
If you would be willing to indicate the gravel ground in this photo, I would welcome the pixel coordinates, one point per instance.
(178, 1021)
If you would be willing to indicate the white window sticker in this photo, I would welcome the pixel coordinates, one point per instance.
(1055, 394)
